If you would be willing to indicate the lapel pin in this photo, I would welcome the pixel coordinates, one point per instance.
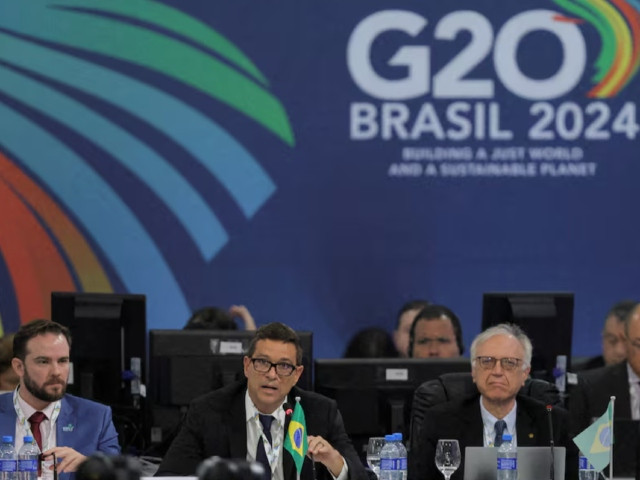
(67, 428)
(531, 435)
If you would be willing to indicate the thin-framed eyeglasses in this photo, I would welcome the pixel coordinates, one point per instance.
(283, 369)
(507, 363)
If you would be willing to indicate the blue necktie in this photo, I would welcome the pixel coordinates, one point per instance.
(500, 427)
(261, 453)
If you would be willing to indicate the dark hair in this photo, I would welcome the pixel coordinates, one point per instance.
(433, 312)
(628, 316)
(276, 331)
(210, 318)
(373, 342)
(621, 309)
(27, 331)
(410, 305)
(6, 352)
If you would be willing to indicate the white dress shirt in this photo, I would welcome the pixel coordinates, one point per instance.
(274, 452)
(634, 393)
(489, 422)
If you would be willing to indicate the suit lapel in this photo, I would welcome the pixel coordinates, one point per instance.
(620, 385)
(7, 414)
(66, 424)
(526, 428)
(472, 433)
(237, 428)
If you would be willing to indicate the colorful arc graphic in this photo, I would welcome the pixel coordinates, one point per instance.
(618, 24)
(74, 230)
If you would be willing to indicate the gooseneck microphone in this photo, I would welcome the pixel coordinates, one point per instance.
(552, 473)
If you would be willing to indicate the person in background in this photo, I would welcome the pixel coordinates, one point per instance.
(500, 364)
(405, 318)
(215, 318)
(63, 425)
(435, 332)
(590, 397)
(613, 337)
(373, 342)
(248, 419)
(8, 378)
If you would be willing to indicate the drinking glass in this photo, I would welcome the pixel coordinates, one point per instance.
(373, 453)
(447, 457)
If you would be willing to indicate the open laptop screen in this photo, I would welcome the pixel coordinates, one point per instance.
(480, 463)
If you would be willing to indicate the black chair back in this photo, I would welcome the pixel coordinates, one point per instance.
(452, 386)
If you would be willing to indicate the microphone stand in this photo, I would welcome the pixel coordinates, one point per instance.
(552, 473)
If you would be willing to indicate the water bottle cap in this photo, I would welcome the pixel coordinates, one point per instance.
(388, 438)
(7, 439)
(28, 439)
(507, 437)
(398, 436)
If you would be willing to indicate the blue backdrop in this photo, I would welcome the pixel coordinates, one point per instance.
(319, 162)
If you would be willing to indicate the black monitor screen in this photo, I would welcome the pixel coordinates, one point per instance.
(374, 395)
(185, 364)
(108, 351)
(546, 318)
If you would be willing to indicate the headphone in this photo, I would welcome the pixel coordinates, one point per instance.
(103, 467)
(215, 468)
(432, 312)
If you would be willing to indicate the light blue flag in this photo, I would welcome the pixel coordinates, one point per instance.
(595, 441)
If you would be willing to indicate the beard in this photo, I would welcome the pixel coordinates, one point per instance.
(39, 392)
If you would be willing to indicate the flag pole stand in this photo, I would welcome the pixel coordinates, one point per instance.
(613, 406)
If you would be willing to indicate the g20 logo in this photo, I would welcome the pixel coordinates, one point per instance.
(568, 120)
(450, 81)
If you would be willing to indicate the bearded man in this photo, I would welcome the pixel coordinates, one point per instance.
(66, 428)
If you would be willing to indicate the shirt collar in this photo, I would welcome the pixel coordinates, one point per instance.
(251, 411)
(28, 410)
(633, 377)
(510, 418)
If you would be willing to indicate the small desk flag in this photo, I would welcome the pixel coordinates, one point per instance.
(596, 440)
(295, 441)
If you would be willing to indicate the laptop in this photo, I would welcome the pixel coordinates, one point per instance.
(534, 463)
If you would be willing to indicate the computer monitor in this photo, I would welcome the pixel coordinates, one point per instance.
(108, 351)
(185, 364)
(546, 317)
(374, 395)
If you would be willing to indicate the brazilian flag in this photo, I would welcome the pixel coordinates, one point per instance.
(595, 442)
(295, 441)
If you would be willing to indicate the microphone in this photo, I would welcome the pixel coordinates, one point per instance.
(552, 473)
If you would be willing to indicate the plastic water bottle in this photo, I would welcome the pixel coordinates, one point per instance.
(28, 458)
(8, 462)
(585, 469)
(402, 456)
(507, 459)
(388, 460)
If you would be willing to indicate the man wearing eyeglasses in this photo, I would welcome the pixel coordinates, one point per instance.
(500, 364)
(590, 398)
(247, 420)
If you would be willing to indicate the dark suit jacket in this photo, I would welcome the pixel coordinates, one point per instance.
(462, 420)
(83, 425)
(590, 397)
(216, 425)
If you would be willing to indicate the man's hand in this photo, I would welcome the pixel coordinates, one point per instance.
(321, 451)
(70, 458)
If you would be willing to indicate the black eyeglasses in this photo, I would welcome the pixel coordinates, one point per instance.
(507, 363)
(283, 369)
